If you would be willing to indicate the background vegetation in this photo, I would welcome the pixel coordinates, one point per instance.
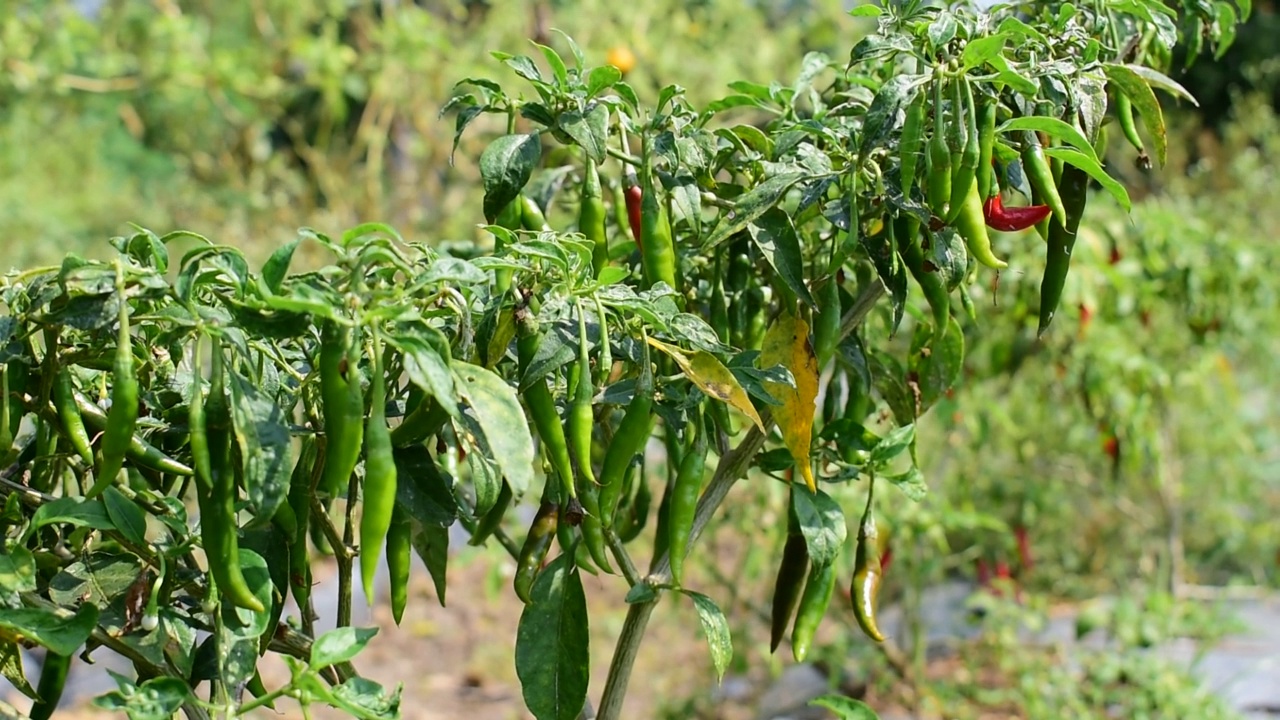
(1136, 451)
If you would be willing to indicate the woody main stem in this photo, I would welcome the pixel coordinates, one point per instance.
(731, 467)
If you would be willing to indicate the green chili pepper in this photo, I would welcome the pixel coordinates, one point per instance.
(581, 424)
(657, 249)
(718, 306)
(1062, 240)
(64, 401)
(542, 407)
(986, 147)
(399, 560)
(971, 223)
(123, 416)
(965, 170)
(492, 520)
(6, 430)
(633, 513)
(510, 219)
(907, 231)
(628, 441)
(790, 580)
(912, 143)
(534, 551)
(867, 571)
(300, 492)
(139, 451)
(938, 161)
(818, 590)
(426, 419)
(684, 499)
(53, 679)
(216, 492)
(343, 406)
(1040, 176)
(531, 216)
(826, 322)
(1124, 113)
(379, 475)
(592, 217)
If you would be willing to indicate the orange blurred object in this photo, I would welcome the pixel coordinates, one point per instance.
(621, 57)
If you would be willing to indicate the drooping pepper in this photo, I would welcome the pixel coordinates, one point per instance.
(592, 217)
(867, 571)
(684, 500)
(534, 551)
(1062, 240)
(789, 584)
(1040, 176)
(380, 477)
(972, 226)
(906, 229)
(938, 161)
(123, 416)
(628, 440)
(657, 248)
(965, 164)
(1012, 219)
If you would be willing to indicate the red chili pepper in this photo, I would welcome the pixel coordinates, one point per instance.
(1024, 548)
(634, 195)
(1006, 219)
(886, 559)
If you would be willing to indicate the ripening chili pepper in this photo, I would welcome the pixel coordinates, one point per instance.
(399, 560)
(531, 217)
(826, 322)
(581, 423)
(53, 679)
(64, 401)
(216, 492)
(342, 406)
(492, 519)
(906, 229)
(379, 499)
(629, 440)
(139, 451)
(818, 590)
(1012, 219)
(867, 571)
(123, 416)
(789, 583)
(634, 198)
(542, 407)
(658, 251)
(592, 217)
(1124, 113)
(684, 499)
(534, 551)
(972, 226)
(1062, 240)
(965, 165)
(986, 147)
(912, 143)
(1040, 176)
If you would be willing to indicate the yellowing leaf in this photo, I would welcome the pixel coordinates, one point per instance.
(712, 377)
(787, 343)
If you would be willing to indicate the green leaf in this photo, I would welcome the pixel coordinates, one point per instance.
(1053, 127)
(716, 628)
(1095, 171)
(980, 51)
(266, 449)
(99, 579)
(423, 492)
(775, 236)
(340, 645)
(125, 514)
(505, 167)
(602, 78)
(249, 624)
(277, 266)
(1226, 20)
(364, 698)
(498, 410)
(845, 708)
(558, 68)
(867, 10)
(822, 524)
(1144, 102)
(553, 658)
(11, 668)
(590, 129)
(1154, 78)
(911, 483)
(17, 571)
(71, 511)
(425, 364)
(750, 206)
(51, 628)
(643, 591)
(938, 369)
(156, 699)
(431, 542)
(892, 445)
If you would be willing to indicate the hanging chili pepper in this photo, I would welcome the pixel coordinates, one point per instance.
(826, 322)
(64, 401)
(531, 217)
(912, 143)
(581, 424)
(510, 219)
(656, 246)
(1040, 176)
(592, 217)
(534, 551)
(123, 416)
(6, 430)
(972, 226)
(53, 679)
(986, 147)
(684, 499)
(938, 161)
(399, 560)
(542, 407)
(300, 493)
(1062, 240)
(818, 590)
(342, 401)
(965, 164)
(1124, 113)
(790, 581)
(628, 440)
(906, 229)
(1015, 219)
(139, 451)
(492, 519)
(634, 198)
(380, 479)
(867, 570)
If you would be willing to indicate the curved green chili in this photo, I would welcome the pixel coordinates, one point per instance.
(123, 416)
(867, 571)
(138, 451)
(628, 441)
(1040, 176)
(658, 252)
(53, 679)
(826, 322)
(581, 423)
(64, 401)
(399, 560)
(684, 499)
(379, 475)
(912, 143)
(986, 147)
(907, 231)
(492, 520)
(971, 223)
(965, 165)
(790, 580)
(938, 161)
(592, 217)
(343, 406)
(510, 219)
(1124, 113)
(1062, 240)
(542, 406)
(818, 590)
(534, 551)
(531, 216)
(300, 492)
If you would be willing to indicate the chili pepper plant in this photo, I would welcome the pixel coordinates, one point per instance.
(729, 283)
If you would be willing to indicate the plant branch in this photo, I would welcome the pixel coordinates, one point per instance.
(731, 467)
